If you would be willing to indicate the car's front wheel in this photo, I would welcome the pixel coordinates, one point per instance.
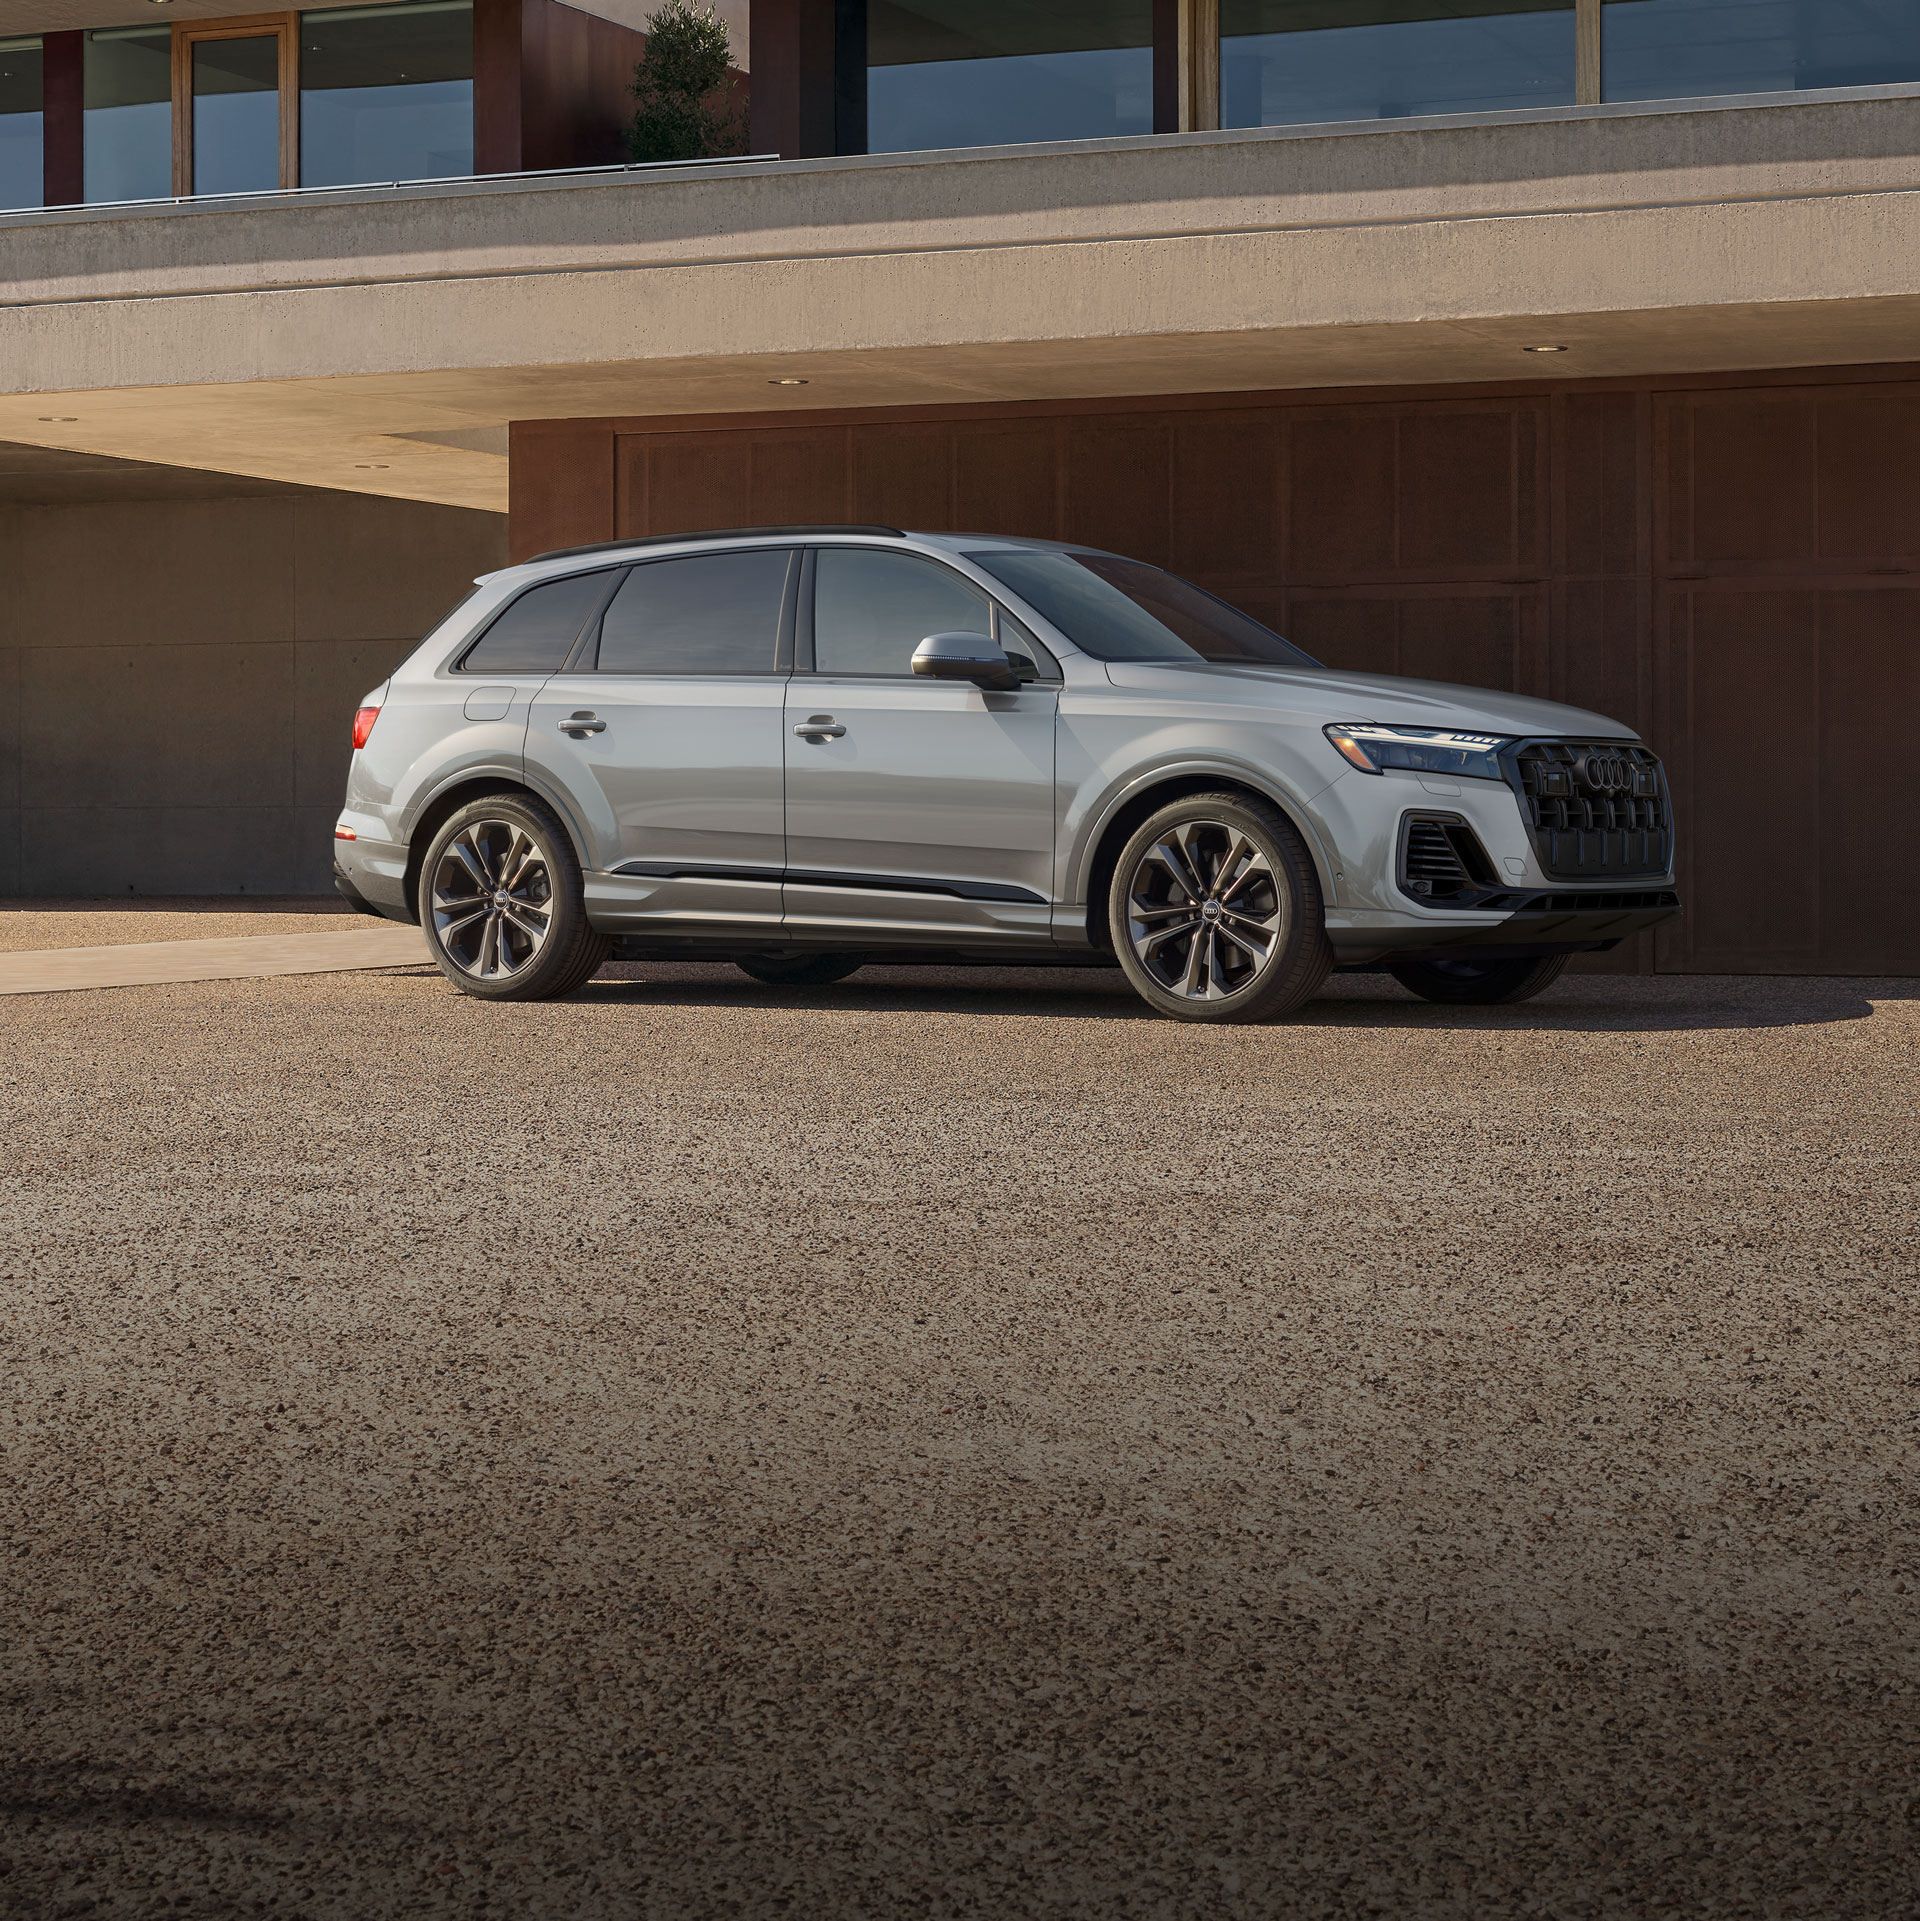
(503, 904)
(1487, 983)
(1216, 911)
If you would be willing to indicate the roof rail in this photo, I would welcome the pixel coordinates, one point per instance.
(711, 533)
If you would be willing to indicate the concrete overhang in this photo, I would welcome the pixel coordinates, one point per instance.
(379, 340)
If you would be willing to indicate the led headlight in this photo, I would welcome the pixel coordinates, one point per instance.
(1373, 748)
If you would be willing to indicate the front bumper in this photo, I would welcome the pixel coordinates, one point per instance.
(1547, 923)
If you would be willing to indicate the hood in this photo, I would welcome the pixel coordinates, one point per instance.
(1327, 693)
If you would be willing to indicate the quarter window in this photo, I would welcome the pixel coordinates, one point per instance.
(699, 614)
(535, 634)
(871, 609)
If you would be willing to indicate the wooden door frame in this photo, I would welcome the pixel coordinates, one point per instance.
(285, 27)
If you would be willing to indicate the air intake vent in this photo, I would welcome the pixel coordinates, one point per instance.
(1441, 858)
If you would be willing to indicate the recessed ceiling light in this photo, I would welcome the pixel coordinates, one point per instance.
(371, 466)
(60, 420)
(787, 380)
(1543, 350)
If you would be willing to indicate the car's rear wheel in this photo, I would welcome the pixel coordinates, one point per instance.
(799, 969)
(503, 904)
(1471, 983)
(1216, 911)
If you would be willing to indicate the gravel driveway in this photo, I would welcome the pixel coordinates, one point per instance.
(956, 1446)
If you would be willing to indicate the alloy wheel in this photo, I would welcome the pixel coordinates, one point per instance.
(1205, 913)
(492, 900)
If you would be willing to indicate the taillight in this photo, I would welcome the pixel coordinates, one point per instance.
(363, 724)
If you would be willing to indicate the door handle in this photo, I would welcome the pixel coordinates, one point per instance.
(820, 727)
(581, 724)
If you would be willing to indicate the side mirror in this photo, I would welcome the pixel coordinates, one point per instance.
(966, 657)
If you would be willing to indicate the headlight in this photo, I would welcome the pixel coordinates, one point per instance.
(1373, 748)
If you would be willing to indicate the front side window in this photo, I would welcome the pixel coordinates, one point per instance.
(699, 614)
(1675, 49)
(127, 95)
(535, 634)
(386, 93)
(986, 73)
(1290, 62)
(871, 609)
(1118, 609)
(21, 140)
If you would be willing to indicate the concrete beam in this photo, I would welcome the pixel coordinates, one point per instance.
(366, 340)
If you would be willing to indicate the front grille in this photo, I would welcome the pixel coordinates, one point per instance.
(1441, 858)
(1596, 809)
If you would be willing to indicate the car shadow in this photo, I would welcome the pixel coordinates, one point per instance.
(1578, 1003)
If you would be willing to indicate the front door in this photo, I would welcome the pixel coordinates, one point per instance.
(667, 741)
(917, 810)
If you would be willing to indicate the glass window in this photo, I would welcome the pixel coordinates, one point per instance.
(21, 143)
(702, 614)
(535, 634)
(872, 609)
(1675, 49)
(1289, 62)
(236, 114)
(128, 120)
(386, 93)
(984, 73)
(1117, 609)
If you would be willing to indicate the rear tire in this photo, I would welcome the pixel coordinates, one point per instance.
(503, 905)
(1471, 983)
(1216, 914)
(799, 970)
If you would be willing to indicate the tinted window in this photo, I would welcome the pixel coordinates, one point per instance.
(128, 117)
(872, 609)
(1672, 49)
(704, 614)
(535, 634)
(21, 138)
(1117, 609)
(1020, 643)
(386, 93)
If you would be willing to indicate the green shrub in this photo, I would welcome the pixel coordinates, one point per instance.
(686, 109)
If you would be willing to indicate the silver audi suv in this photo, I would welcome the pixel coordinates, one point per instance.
(802, 749)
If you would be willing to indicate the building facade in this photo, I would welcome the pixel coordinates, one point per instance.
(1569, 348)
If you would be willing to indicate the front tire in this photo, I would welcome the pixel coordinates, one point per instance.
(503, 904)
(1216, 912)
(1471, 983)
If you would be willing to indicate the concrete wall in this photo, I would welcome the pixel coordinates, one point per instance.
(177, 680)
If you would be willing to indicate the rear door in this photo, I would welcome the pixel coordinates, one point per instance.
(917, 809)
(668, 736)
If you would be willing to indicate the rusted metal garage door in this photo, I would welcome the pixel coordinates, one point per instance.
(1733, 569)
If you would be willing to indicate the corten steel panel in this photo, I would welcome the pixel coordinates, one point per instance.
(560, 488)
(794, 479)
(1007, 477)
(1462, 495)
(695, 481)
(1750, 480)
(1340, 488)
(902, 476)
(1120, 487)
(1869, 478)
(1226, 493)
(1600, 450)
(1869, 678)
(1747, 670)
(62, 125)
(497, 68)
(1360, 634)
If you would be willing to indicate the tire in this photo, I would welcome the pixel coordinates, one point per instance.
(503, 906)
(799, 970)
(1471, 983)
(1257, 949)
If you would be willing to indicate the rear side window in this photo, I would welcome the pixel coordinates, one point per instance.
(535, 634)
(699, 614)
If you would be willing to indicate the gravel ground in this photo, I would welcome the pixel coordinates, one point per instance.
(37, 925)
(957, 1446)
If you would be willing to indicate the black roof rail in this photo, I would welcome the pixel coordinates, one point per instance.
(711, 533)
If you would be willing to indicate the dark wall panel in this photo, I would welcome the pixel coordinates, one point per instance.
(1732, 568)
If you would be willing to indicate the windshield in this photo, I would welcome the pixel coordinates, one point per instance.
(1117, 609)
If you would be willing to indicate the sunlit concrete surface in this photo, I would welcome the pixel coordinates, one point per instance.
(955, 1445)
(255, 956)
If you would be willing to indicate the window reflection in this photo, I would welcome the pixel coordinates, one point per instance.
(21, 144)
(983, 73)
(1674, 49)
(236, 115)
(1290, 62)
(386, 93)
(128, 117)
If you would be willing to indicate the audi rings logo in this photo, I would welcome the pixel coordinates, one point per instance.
(1605, 773)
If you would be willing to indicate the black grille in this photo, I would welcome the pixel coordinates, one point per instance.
(1441, 858)
(1596, 809)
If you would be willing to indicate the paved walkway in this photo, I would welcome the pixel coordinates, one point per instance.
(147, 963)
